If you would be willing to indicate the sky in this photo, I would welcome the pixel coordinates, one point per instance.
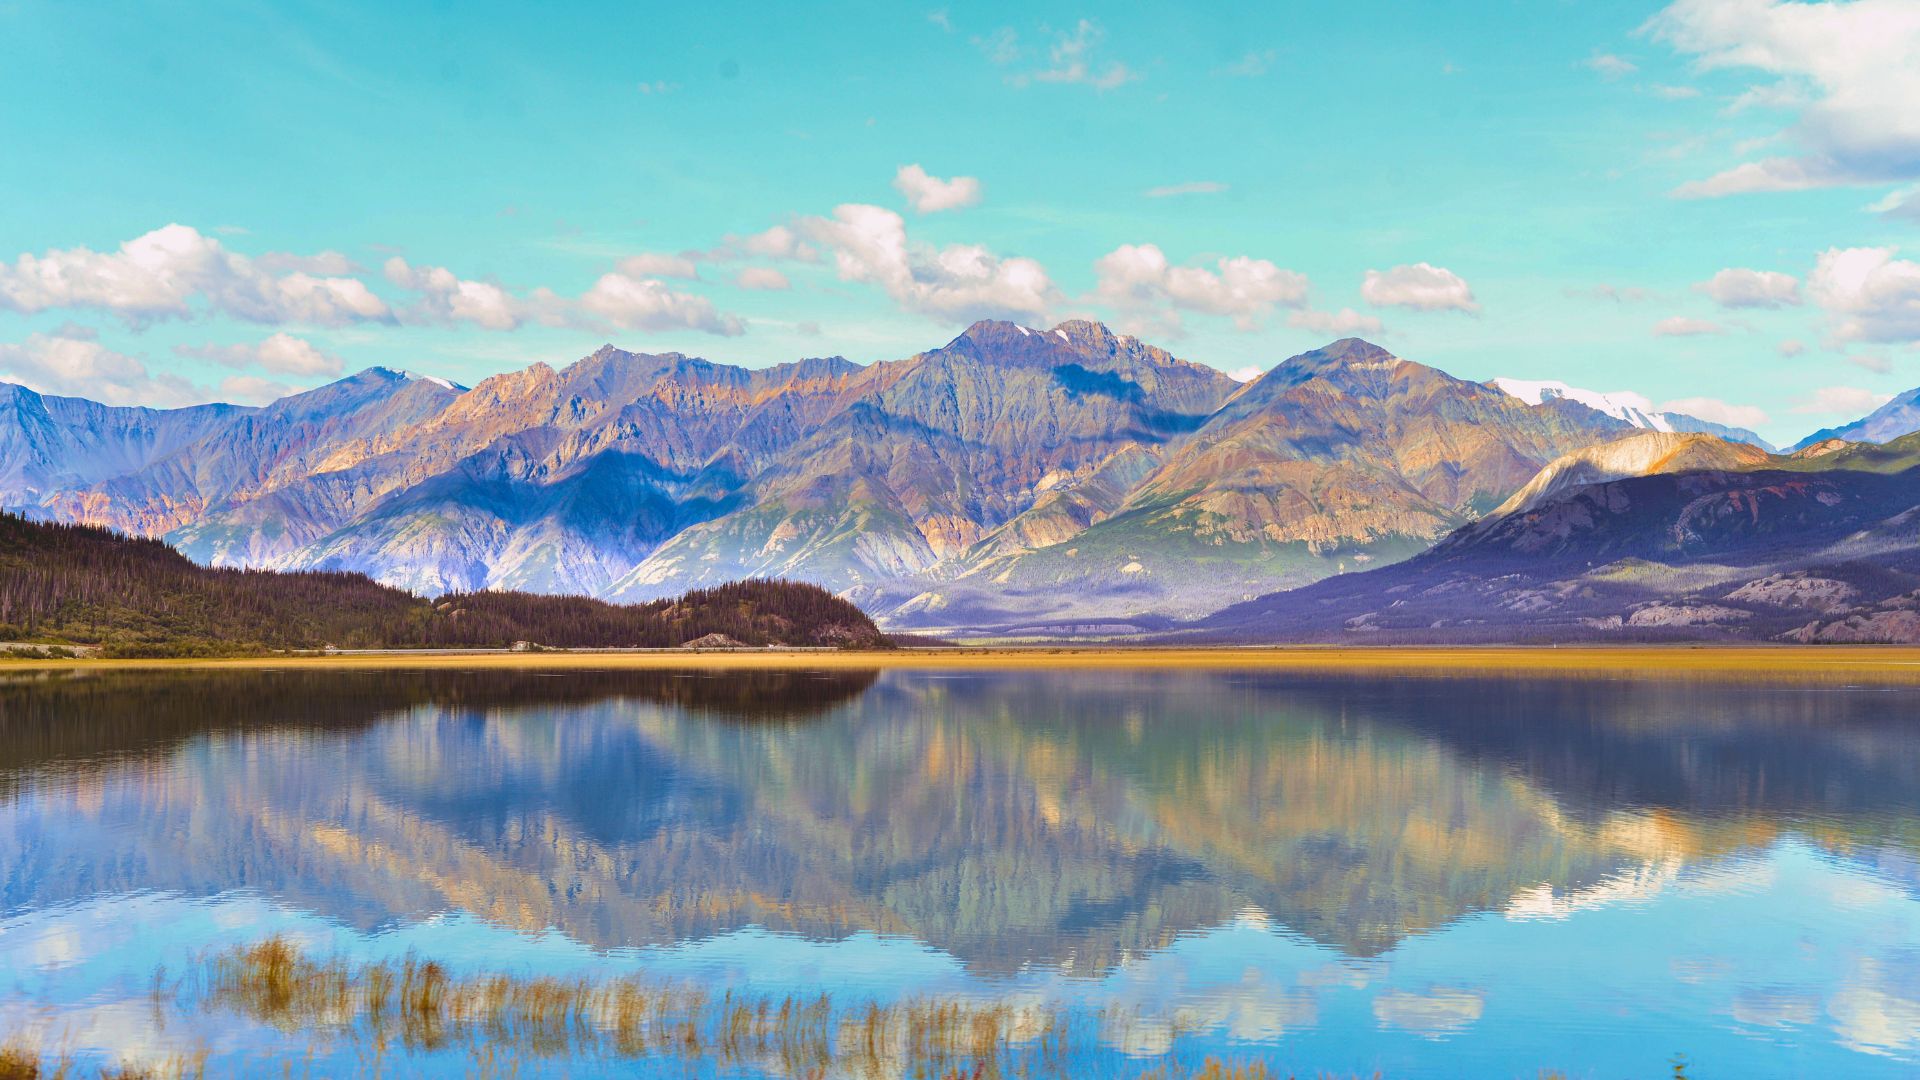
(1714, 203)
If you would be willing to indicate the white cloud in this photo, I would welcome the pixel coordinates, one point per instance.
(1137, 278)
(253, 390)
(1421, 286)
(928, 194)
(960, 281)
(941, 19)
(658, 264)
(282, 354)
(1246, 374)
(1737, 288)
(1675, 93)
(325, 263)
(656, 87)
(1715, 411)
(72, 364)
(1190, 187)
(1791, 347)
(1873, 362)
(1609, 65)
(1346, 322)
(1902, 204)
(648, 304)
(1868, 294)
(174, 271)
(1847, 401)
(1856, 65)
(762, 277)
(449, 299)
(1682, 326)
(1071, 60)
(778, 242)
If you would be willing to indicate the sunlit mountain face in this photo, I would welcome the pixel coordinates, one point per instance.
(1039, 833)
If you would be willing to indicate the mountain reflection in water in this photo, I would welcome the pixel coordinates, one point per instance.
(1059, 819)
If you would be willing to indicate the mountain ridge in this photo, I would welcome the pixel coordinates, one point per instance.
(1012, 476)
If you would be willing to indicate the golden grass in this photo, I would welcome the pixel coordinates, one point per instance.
(1878, 663)
(502, 1021)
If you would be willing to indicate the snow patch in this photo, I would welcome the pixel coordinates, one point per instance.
(434, 379)
(1063, 336)
(1024, 332)
(1624, 405)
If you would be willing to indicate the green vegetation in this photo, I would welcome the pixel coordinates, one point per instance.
(65, 585)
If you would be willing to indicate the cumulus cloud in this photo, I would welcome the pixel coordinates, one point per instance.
(1682, 326)
(1421, 286)
(648, 304)
(1071, 59)
(1868, 294)
(778, 242)
(1246, 374)
(1737, 288)
(1855, 65)
(174, 272)
(649, 264)
(960, 281)
(763, 278)
(282, 354)
(450, 299)
(1715, 411)
(628, 298)
(1791, 347)
(928, 194)
(1137, 278)
(1847, 401)
(1343, 323)
(253, 390)
(325, 263)
(1190, 187)
(72, 363)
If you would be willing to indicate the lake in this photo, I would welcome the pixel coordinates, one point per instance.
(1100, 872)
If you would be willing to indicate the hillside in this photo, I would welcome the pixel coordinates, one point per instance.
(1822, 548)
(82, 585)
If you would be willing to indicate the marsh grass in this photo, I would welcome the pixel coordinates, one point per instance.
(501, 1025)
(417, 1004)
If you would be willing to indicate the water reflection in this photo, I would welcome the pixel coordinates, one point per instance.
(1079, 823)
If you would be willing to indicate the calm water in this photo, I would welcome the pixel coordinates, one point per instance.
(1422, 876)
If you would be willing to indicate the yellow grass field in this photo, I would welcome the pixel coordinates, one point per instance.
(1880, 664)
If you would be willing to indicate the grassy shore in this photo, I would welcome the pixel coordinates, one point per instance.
(1871, 663)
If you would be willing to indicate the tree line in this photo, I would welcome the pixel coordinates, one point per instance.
(78, 584)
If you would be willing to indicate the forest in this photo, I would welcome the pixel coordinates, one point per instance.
(63, 585)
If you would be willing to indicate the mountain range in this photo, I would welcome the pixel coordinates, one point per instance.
(1015, 480)
(1658, 536)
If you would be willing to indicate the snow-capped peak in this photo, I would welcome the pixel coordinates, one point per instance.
(435, 379)
(1624, 405)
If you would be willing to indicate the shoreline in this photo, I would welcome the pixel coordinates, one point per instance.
(1880, 663)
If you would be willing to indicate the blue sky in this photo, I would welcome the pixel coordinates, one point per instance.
(1709, 202)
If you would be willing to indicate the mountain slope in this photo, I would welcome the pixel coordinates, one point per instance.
(1334, 459)
(1634, 409)
(1013, 476)
(1896, 418)
(1754, 553)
